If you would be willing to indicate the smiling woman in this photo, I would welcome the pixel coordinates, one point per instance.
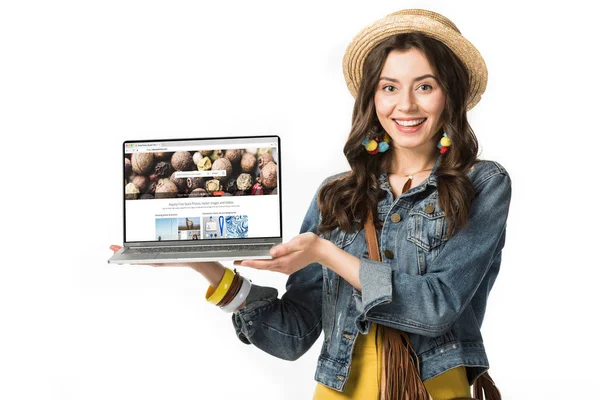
(395, 258)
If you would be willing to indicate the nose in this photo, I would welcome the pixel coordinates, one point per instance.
(406, 101)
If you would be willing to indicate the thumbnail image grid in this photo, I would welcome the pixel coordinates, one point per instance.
(191, 228)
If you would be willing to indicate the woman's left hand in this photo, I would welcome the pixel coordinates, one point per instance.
(297, 253)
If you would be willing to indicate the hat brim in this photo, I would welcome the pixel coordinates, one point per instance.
(394, 24)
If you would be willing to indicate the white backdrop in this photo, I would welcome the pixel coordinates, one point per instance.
(79, 77)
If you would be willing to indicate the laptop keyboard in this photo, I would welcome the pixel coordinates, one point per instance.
(180, 249)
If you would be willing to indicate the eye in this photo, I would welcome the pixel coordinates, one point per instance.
(388, 86)
(427, 87)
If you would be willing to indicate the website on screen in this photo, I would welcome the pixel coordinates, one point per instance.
(201, 190)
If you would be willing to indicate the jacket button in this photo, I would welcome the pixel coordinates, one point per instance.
(430, 208)
(389, 254)
(340, 377)
(396, 217)
(366, 254)
(348, 336)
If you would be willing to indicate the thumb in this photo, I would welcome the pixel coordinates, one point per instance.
(115, 248)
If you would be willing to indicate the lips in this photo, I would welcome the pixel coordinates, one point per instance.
(408, 123)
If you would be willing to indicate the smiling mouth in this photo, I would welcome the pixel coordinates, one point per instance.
(410, 123)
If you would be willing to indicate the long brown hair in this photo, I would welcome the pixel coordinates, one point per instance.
(347, 199)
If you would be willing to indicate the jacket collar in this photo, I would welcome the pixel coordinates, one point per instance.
(431, 179)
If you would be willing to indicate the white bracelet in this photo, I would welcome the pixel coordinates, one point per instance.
(239, 298)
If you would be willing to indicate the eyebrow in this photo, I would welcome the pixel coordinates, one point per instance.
(414, 80)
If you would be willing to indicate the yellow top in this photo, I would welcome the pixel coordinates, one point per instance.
(365, 374)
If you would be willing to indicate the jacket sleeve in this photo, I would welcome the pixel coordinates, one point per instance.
(428, 304)
(286, 328)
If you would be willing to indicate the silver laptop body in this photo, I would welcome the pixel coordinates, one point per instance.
(205, 199)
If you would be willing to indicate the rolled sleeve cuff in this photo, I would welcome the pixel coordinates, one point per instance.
(245, 321)
(376, 282)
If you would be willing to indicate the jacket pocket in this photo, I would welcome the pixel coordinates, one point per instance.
(427, 225)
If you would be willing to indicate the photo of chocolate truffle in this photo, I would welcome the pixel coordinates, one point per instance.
(231, 186)
(205, 153)
(152, 187)
(131, 191)
(244, 181)
(142, 163)
(182, 161)
(128, 168)
(213, 185)
(142, 182)
(248, 162)
(163, 155)
(204, 164)
(216, 154)
(257, 189)
(268, 175)
(165, 189)
(233, 155)
(162, 169)
(181, 183)
(193, 182)
(222, 164)
(262, 151)
(265, 159)
(196, 157)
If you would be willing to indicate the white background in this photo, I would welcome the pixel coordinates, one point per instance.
(79, 77)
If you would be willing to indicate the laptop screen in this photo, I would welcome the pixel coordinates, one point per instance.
(202, 189)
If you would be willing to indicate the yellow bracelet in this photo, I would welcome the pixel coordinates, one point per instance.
(213, 295)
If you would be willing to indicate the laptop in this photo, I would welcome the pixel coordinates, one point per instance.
(205, 199)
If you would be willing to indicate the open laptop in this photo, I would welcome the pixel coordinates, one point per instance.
(206, 199)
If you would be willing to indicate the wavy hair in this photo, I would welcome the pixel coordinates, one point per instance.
(346, 200)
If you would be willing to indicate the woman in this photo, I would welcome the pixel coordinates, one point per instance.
(439, 213)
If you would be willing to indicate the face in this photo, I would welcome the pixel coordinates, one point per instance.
(409, 100)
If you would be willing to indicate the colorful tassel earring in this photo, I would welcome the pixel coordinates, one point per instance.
(444, 143)
(376, 141)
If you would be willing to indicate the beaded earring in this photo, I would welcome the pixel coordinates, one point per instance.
(377, 141)
(444, 143)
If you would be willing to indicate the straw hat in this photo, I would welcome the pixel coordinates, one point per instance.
(427, 22)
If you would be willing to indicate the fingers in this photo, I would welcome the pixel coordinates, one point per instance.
(115, 248)
(275, 264)
(297, 243)
(258, 264)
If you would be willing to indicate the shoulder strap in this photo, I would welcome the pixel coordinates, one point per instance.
(371, 236)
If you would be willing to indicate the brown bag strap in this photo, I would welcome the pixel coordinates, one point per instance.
(485, 388)
(400, 372)
(400, 376)
(371, 234)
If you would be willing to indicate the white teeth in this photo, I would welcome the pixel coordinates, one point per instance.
(412, 122)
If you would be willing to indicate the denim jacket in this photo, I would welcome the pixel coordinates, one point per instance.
(432, 287)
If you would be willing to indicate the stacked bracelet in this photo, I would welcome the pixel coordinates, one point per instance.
(213, 295)
(239, 299)
(231, 291)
